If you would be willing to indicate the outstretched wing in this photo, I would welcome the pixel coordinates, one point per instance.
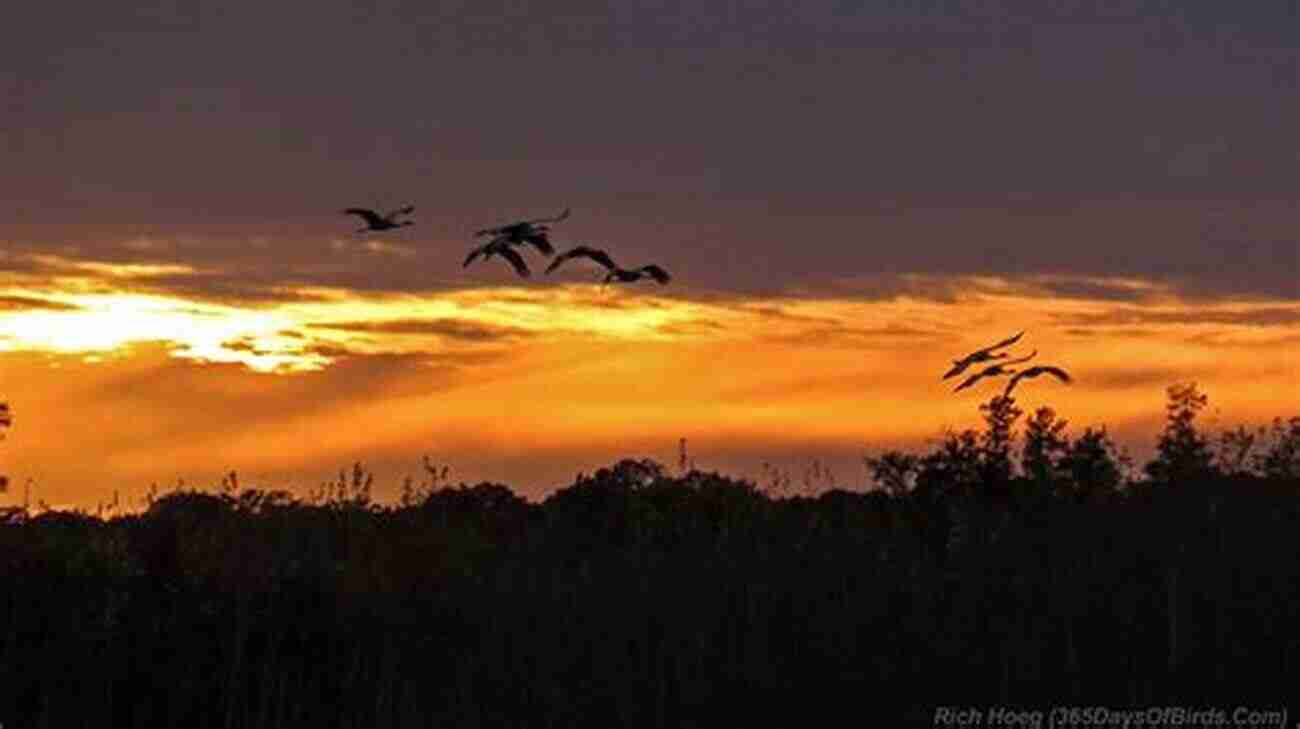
(991, 370)
(370, 216)
(594, 254)
(1014, 379)
(541, 243)
(401, 211)
(1021, 359)
(516, 260)
(1057, 372)
(656, 273)
(958, 367)
(473, 255)
(1004, 343)
(556, 219)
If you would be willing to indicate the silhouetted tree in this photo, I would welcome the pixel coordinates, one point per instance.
(1093, 464)
(1045, 446)
(1182, 452)
(894, 471)
(6, 422)
(1280, 458)
(636, 598)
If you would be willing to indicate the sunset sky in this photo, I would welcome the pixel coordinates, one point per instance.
(849, 196)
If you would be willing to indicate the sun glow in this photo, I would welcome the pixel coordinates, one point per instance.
(534, 376)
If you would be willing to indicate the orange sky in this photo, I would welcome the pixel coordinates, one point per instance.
(115, 387)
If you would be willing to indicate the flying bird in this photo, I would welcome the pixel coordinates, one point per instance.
(615, 273)
(532, 232)
(994, 370)
(981, 355)
(499, 247)
(1030, 373)
(376, 222)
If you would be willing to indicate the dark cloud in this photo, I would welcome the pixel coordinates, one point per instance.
(1257, 317)
(694, 326)
(844, 335)
(781, 147)
(1136, 377)
(1132, 332)
(244, 345)
(1280, 343)
(458, 329)
(1093, 290)
(24, 303)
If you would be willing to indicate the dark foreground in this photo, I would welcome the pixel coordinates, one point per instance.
(996, 570)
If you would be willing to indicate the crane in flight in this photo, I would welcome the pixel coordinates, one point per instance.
(614, 272)
(981, 355)
(377, 222)
(499, 247)
(1030, 373)
(994, 370)
(532, 232)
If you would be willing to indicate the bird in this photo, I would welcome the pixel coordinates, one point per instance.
(994, 370)
(615, 273)
(981, 355)
(1032, 372)
(499, 247)
(377, 222)
(532, 232)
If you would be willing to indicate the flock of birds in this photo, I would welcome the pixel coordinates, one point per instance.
(1001, 368)
(506, 239)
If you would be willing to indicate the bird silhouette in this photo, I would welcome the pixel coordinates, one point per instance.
(993, 371)
(499, 247)
(615, 273)
(377, 222)
(532, 232)
(981, 355)
(1030, 373)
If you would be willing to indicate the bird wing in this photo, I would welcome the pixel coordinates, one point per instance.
(1004, 343)
(556, 219)
(594, 254)
(1011, 385)
(370, 216)
(1059, 373)
(1022, 359)
(401, 211)
(991, 370)
(474, 254)
(656, 273)
(516, 260)
(958, 367)
(541, 243)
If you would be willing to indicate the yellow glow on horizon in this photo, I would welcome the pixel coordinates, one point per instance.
(491, 375)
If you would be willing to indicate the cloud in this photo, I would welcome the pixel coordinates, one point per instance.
(840, 334)
(391, 249)
(450, 328)
(1269, 316)
(1133, 333)
(24, 303)
(1131, 378)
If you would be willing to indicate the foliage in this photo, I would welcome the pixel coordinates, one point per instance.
(1002, 565)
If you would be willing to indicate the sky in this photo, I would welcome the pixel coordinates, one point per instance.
(848, 195)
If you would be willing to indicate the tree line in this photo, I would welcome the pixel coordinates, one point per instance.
(1015, 564)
